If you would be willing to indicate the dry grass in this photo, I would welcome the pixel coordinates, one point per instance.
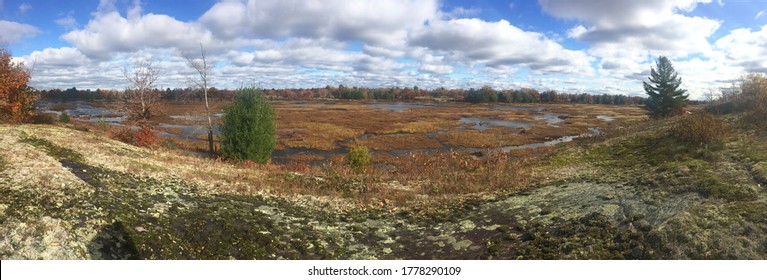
(700, 129)
(400, 142)
(98, 150)
(423, 126)
(495, 137)
(320, 136)
(306, 157)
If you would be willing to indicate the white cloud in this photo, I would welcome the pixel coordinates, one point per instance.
(57, 57)
(12, 32)
(436, 68)
(379, 23)
(474, 41)
(655, 26)
(460, 12)
(105, 7)
(24, 8)
(110, 33)
(627, 36)
(292, 43)
(67, 67)
(612, 13)
(759, 14)
(745, 49)
(67, 22)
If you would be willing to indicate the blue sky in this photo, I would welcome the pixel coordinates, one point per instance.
(595, 46)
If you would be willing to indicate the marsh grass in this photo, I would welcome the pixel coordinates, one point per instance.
(416, 127)
(400, 142)
(494, 137)
(320, 136)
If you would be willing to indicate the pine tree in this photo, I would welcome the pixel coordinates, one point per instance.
(666, 97)
(248, 128)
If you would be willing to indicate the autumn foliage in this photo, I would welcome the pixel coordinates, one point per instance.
(144, 136)
(17, 99)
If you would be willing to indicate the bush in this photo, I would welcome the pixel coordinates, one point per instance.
(358, 158)
(754, 91)
(248, 128)
(64, 117)
(41, 119)
(749, 97)
(121, 133)
(17, 99)
(145, 137)
(700, 129)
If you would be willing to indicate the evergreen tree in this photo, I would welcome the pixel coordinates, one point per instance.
(665, 96)
(248, 127)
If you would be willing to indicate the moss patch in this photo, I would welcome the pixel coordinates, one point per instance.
(593, 236)
(3, 164)
(760, 172)
(57, 152)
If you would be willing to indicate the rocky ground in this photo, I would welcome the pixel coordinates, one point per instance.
(68, 194)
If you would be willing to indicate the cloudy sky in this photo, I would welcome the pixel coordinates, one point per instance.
(595, 46)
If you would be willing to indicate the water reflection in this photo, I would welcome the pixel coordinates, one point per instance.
(606, 118)
(551, 118)
(399, 106)
(485, 123)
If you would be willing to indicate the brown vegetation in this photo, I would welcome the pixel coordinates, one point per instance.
(700, 129)
(17, 99)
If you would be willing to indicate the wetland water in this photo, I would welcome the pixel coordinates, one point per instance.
(508, 119)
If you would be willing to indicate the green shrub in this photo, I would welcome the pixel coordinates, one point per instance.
(64, 117)
(358, 158)
(248, 128)
(700, 129)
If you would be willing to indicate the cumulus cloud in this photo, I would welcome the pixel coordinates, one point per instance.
(292, 43)
(627, 36)
(67, 67)
(654, 25)
(57, 57)
(606, 13)
(745, 48)
(109, 33)
(12, 32)
(495, 44)
(373, 22)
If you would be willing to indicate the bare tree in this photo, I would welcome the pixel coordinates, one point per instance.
(203, 70)
(140, 99)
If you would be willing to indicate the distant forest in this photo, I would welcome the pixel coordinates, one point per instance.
(482, 95)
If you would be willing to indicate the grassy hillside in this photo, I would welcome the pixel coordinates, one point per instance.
(641, 192)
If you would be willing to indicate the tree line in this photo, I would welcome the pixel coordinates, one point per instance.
(482, 95)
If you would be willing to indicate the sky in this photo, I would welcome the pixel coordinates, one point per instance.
(575, 46)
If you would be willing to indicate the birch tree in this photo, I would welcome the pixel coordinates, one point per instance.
(200, 65)
(140, 100)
